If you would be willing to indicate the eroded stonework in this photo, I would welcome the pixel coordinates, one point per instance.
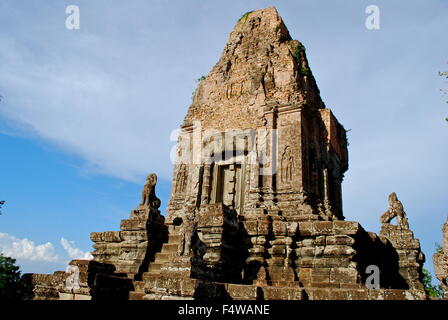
(45, 286)
(406, 247)
(256, 207)
(257, 136)
(140, 237)
(440, 260)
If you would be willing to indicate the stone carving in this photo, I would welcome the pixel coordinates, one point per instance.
(287, 165)
(72, 281)
(181, 179)
(187, 230)
(325, 210)
(395, 211)
(149, 197)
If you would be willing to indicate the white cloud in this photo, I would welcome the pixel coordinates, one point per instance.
(111, 95)
(109, 104)
(73, 252)
(38, 256)
(26, 250)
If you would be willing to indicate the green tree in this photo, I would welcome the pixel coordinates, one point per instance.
(431, 290)
(12, 287)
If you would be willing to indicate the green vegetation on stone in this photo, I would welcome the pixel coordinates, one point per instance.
(244, 16)
(298, 48)
(304, 71)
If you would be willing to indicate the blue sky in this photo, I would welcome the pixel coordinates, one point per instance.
(88, 113)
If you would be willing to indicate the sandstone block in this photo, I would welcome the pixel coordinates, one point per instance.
(242, 292)
(323, 228)
(346, 227)
(96, 236)
(279, 228)
(344, 275)
(339, 250)
(340, 240)
(282, 293)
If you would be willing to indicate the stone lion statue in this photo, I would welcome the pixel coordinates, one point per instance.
(149, 197)
(395, 210)
(187, 230)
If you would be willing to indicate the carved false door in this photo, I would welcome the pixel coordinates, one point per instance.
(228, 185)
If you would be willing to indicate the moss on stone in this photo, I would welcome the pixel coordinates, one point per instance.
(304, 71)
(244, 16)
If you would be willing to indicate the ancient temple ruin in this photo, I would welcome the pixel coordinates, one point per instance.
(256, 206)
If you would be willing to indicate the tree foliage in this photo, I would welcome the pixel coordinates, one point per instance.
(11, 285)
(431, 289)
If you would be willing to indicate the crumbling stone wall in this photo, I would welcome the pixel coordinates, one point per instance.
(45, 286)
(91, 280)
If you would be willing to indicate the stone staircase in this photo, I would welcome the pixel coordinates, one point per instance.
(165, 256)
(168, 252)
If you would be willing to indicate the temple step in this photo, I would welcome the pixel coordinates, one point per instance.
(134, 295)
(163, 257)
(174, 238)
(139, 286)
(170, 248)
(154, 267)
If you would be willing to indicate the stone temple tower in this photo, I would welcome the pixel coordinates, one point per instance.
(255, 210)
(258, 137)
